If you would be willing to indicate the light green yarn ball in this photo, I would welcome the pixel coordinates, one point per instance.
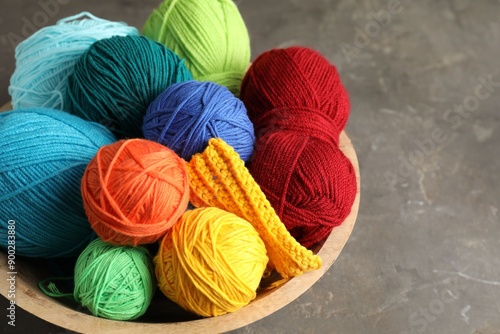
(210, 35)
(114, 282)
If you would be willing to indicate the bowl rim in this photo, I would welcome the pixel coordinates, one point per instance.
(34, 301)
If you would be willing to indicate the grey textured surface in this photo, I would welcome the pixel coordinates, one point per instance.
(423, 257)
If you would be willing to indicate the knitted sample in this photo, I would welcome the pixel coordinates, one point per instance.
(219, 178)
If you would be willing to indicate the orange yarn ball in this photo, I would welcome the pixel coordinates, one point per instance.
(134, 191)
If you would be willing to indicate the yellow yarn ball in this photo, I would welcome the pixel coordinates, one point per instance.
(211, 262)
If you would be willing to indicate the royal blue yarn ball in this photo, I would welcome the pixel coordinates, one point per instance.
(43, 155)
(187, 114)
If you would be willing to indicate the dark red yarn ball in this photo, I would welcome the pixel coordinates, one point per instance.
(294, 77)
(299, 106)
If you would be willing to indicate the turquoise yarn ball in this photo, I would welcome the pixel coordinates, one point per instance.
(46, 59)
(43, 155)
(116, 79)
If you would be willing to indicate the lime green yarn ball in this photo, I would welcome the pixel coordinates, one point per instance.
(114, 282)
(210, 35)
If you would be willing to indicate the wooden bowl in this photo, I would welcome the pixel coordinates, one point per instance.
(169, 317)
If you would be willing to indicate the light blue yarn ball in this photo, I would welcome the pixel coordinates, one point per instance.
(43, 155)
(47, 58)
(186, 115)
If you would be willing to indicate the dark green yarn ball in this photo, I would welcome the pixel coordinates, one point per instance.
(117, 78)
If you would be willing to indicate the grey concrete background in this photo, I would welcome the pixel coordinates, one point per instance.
(423, 257)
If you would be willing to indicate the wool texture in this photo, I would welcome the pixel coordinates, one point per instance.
(219, 178)
(114, 282)
(46, 59)
(299, 106)
(211, 262)
(117, 78)
(187, 114)
(134, 190)
(210, 35)
(43, 156)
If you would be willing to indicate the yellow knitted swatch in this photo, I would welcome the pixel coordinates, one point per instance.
(219, 178)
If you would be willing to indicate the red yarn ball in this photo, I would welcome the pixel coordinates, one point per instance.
(299, 107)
(294, 77)
(134, 191)
(309, 182)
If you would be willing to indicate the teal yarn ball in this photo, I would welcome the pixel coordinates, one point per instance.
(46, 59)
(188, 114)
(43, 155)
(116, 79)
(114, 282)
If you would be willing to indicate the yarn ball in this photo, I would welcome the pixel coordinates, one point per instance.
(211, 262)
(134, 190)
(309, 182)
(114, 282)
(210, 35)
(299, 106)
(295, 77)
(43, 157)
(46, 59)
(117, 78)
(187, 114)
